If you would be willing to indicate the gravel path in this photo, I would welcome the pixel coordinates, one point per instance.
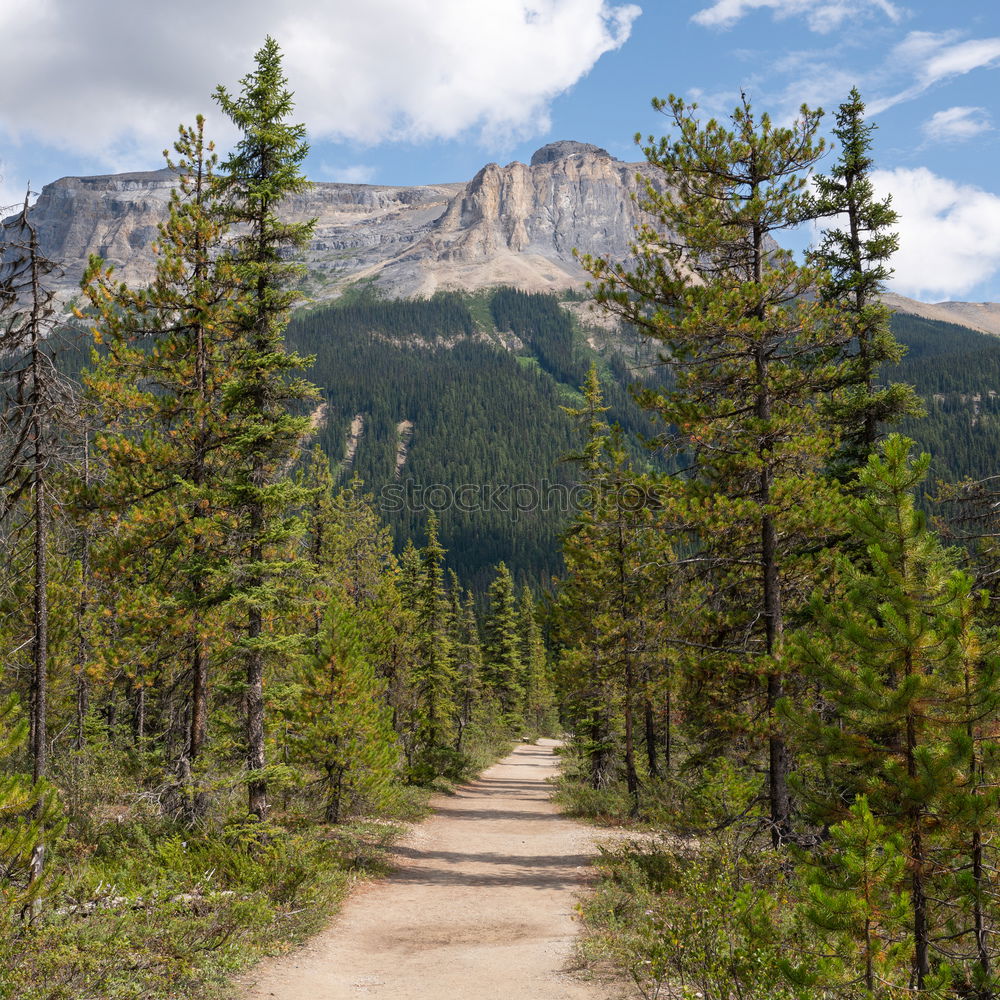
(481, 906)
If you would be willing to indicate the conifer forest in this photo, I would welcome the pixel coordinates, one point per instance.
(242, 646)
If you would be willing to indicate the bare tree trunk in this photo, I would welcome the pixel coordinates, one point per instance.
(667, 732)
(199, 698)
(83, 609)
(918, 895)
(40, 650)
(139, 719)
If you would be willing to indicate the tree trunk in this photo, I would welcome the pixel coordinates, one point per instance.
(650, 739)
(40, 647)
(918, 897)
(199, 698)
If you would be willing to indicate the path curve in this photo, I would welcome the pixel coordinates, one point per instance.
(480, 907)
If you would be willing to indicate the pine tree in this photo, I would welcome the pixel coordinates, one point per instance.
(891, 658)
(470, 697)
(857, 906)
(258, 175)
(319, 539)
(614, 554)
(856, 261)
(539, 704)
(342, 726)
(433, 674)
(165, 445)
(752, 358)
(584, 685)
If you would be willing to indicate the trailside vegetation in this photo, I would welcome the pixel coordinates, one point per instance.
(271, 578)
(813, 670)
(224, 686)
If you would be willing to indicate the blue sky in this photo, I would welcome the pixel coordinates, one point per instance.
(418, 91)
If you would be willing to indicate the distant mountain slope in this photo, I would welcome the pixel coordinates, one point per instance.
(460, 399)
(467, 392)
(981, 316)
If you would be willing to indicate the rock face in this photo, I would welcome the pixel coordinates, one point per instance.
(514, 225)
(565, 147)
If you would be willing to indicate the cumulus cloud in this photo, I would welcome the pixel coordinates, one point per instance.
(949, 233)
(934, 57)
(957, 124)
(820, 15)
(111, 79)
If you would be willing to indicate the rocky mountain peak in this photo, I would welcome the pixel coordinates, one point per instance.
(513, 225)
(566, 147)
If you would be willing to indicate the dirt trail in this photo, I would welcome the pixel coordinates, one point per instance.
(480, 908)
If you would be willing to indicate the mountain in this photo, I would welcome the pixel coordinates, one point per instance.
(512, 225)
(981, 316)
(462, 393)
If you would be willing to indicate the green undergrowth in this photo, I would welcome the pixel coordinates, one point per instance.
(686, 904)
(143, 907)
(692, 919)
(154, 911)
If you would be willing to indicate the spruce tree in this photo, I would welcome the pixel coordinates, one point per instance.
(502, 664)
(261, 172)
(433, 673)
(614, 555)
(165, 446)
(470, 697)
(342, 725)
(539, 703)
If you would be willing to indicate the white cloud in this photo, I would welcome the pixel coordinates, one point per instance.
(935, 57)
(357, 173)
(949, 234)
(821, 15)
(957, 124)
(111, 79)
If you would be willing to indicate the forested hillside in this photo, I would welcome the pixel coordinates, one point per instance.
(448, 397)
(457, 392)
(957, 373)
(223, 685)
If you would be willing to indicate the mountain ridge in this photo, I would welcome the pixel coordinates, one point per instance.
(515, 225)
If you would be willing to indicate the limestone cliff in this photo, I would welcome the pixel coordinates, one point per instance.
(516, 224)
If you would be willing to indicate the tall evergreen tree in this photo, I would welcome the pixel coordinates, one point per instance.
(470, 697)
(166, 446)
(856, 258)
(903, 680)
(539, 704)
(342, 724)
(751, 356)
(502, 664)
(262, 171)
(433, 673)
